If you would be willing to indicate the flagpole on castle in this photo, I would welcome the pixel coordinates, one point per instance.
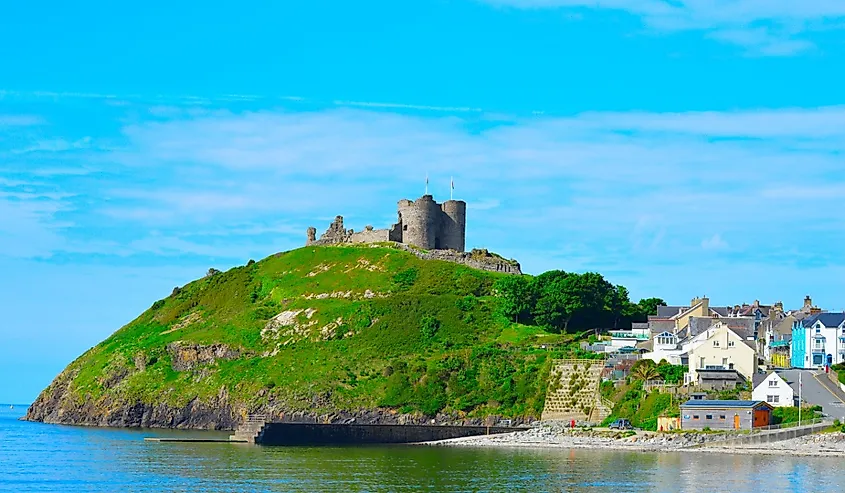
(426, 183)
(452, 188)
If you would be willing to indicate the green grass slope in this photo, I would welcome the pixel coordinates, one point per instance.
(321, 330)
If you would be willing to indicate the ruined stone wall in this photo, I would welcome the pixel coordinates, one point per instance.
(477, 259)
(395, 232)
(336, 234)
(370, 235)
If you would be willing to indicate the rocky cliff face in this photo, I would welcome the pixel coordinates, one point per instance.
(57, 406)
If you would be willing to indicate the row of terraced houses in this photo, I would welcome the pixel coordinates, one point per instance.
(725, 346)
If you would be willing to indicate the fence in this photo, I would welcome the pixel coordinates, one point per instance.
(669, 388)
(803, 422)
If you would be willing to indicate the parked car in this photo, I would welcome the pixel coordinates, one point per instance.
(621, 424)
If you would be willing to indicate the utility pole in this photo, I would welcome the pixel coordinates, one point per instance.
(800, 388)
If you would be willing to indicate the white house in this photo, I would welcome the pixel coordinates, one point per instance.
(773, 389)
(628, 338)
(670, 347)
(665, 346)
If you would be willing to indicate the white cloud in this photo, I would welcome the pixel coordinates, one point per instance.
(400, 106)
(56, 145)
(714, 242)
(19, 120)
(628, 194)
(650, 181)
(765, 27)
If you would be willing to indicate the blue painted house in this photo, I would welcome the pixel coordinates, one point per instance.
(818, 340)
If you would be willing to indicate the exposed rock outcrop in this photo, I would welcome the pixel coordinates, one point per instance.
(186, 356)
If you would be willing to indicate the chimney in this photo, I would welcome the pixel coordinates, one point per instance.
(815, 310)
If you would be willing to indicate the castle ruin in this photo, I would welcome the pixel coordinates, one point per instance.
(425, 228)
(422, 223)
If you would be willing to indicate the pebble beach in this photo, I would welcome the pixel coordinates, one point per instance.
(557, 435)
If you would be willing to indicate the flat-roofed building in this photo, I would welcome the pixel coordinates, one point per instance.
(725, 415)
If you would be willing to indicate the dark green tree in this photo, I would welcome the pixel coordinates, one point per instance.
(648, 306)
(553, 305)
(565, 297)
(516, 296)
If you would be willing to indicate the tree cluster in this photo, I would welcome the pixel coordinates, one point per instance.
(570, 302)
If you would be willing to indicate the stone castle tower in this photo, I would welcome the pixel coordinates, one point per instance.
(432, 226)
(422, 223)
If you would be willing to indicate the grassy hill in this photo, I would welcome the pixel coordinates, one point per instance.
(338, 331)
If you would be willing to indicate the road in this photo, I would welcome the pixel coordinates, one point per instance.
(816, 394)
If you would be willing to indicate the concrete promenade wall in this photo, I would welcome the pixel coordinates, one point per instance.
(340, 434)
(773, 435)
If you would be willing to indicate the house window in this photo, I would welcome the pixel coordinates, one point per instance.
(722, 417)
(708, 416)
(773, 383)
(775, 399)
(730, 366)
(715, 343)
(724, 361)
(770, 398)
(730, 343)
(694, 416)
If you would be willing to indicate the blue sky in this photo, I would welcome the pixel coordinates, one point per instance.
(681, 148)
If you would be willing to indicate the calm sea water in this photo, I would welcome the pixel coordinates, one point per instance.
(37, 457)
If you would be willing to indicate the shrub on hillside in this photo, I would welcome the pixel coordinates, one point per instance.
(406, 278)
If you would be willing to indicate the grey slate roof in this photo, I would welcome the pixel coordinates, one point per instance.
(731, 404)
(723, 311)
(715, 374)
(742, 326)
(784, 327)
(670, 311)
(657, 326)
(827, 319)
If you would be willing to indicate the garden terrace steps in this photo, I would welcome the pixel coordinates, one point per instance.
(574, 391)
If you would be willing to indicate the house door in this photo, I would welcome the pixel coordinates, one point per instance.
(736, 421)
